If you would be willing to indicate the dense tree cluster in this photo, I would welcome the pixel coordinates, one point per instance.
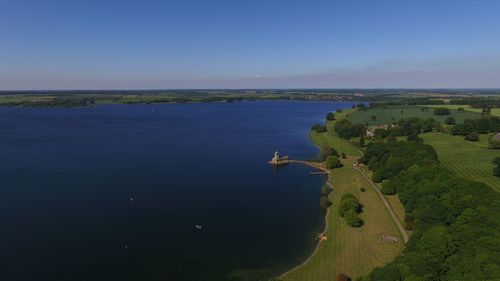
(349, 209)
(408, 127)
(346, 129)
(399, 156)
(456, 221)
(442, 111)
(485, 124)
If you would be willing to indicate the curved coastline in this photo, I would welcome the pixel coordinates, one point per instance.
(326, 224)
(318, 243)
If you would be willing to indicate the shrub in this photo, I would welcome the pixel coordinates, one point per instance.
(326, 189)
(348, 202)
(343, 277)
(343, 155)
(325, 202)
(450, 121)
(362, 189)
(328, 151)
(441, 111)
(494, 141)
(333, 162)
(472, 137)
(315, 127)
(352, 218)
(318, 128)
(330, 116)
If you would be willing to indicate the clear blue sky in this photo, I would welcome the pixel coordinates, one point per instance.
(249, 44)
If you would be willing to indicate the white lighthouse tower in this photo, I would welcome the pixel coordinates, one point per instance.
(276, 159)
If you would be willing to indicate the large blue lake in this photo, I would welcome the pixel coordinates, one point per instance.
(114, 192)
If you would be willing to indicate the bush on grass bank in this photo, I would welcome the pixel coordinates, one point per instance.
(333, 162)
(349, 208)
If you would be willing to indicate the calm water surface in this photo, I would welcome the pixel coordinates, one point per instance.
(114, 192)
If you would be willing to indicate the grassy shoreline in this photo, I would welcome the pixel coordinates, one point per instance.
(348, 250)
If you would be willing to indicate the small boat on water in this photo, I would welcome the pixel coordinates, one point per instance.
(197, 226)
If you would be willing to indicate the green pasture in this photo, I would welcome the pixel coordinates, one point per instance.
(494, 111)
(391, 114)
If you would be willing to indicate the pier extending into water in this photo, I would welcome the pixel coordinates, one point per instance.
(307, 163)
(278, 160)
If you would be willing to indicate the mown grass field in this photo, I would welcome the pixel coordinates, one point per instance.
(390, 115)
(348, 250)
(330, 140)
(471, 160)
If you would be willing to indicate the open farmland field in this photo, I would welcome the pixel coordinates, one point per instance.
(494, 111)
(471, 160)
(390, 115)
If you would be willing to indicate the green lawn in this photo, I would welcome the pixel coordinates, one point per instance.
(348, 250)
(471, 160)
(391, 114)
(329, 139)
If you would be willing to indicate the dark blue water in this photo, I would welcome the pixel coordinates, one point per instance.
(114, 192)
